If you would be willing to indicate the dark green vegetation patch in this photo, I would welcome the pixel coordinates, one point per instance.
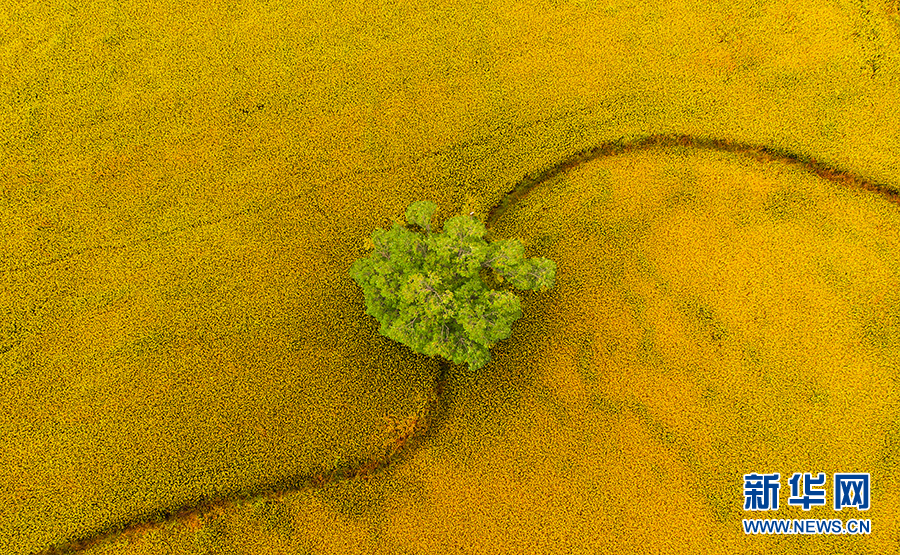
(427, 291)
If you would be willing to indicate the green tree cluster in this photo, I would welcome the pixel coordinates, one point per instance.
(426, 289)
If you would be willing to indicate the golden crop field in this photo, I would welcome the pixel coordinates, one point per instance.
(187, 366)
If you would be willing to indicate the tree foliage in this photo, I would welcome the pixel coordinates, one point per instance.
(426, 290)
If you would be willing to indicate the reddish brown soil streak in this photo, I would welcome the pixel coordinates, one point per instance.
(758, 152)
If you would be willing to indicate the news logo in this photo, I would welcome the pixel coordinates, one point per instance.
(848, 490)
(761, 491)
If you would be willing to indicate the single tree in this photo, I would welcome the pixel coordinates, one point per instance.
(426, 290)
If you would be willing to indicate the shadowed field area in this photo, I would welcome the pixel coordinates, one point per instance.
(183, 188)
(688, 343)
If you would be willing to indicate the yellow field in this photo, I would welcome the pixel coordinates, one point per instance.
(184, 188)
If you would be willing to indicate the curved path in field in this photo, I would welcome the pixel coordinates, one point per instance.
(433, 416)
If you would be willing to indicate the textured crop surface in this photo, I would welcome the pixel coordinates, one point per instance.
(184, 187)
(689, 343)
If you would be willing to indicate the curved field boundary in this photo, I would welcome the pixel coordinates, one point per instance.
(757, 152)
(423, 426)
(433, 414)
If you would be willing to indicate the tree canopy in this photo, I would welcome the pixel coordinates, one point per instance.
(426, 290)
